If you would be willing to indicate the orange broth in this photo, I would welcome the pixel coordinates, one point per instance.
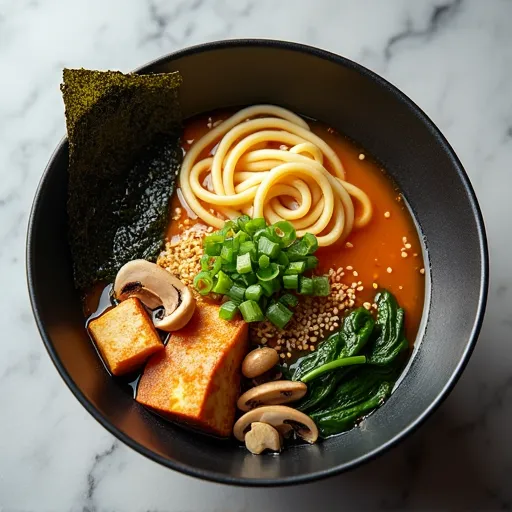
(373, 250)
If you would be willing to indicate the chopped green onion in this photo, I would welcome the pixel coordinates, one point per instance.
(297, 251)
(321, 286)
(282, 259)
(243, 263)
(214, 238)
(285, 232)
(268, 233)
(254, 225)
(268, 287)
(306, 286)
(223, 284)
(212, 249)
(237, 293)
(311, 242)
(251, 311)
(311, 262)
(211, 264)
(247, 247)
(264, 261)
(228, 267)
(203, 282)
(254, 292)
(227, 253)
(241, 236)
(249, 279)
(289, 300)
(229, 229)
(242, 221)
(235, 243)
(295, 267)
(228, 310)
(269, 273)
(291, 282)
(279, 314)
(266, 246)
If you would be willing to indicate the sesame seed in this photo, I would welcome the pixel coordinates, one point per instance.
(422, 270)
(389, 270)
(408, 246)
(400, 287)
(367, 305)
(387, 215)
(375, 286)
(404, 239)
(348, 245)
(404, 254)
(361, 156)
(355, 274)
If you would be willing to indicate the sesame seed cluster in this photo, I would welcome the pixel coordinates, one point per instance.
(314, 317)
(182, 254)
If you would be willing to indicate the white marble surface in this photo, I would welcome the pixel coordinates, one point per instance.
(452, 58)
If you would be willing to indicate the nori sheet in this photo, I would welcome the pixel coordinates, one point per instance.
(124, 155)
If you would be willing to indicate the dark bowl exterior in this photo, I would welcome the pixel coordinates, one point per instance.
(389, 126)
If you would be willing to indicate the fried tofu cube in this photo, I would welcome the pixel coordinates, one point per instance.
(125, 336)
(196, 380)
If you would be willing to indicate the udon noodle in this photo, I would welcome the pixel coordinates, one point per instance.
(268, 163)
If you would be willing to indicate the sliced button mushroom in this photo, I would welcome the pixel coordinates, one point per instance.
(259, 361)
(261, 437)
(277, 416)
(269, 376)
(272, 393)
(156, 287)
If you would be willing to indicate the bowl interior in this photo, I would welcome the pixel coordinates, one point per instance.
(373, 113)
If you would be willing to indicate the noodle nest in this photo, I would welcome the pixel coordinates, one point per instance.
(264, 161)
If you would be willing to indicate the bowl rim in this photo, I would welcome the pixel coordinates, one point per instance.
(211, 475)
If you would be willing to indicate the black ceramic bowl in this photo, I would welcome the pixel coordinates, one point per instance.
(390, 127)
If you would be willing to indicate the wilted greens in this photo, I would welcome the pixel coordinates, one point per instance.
(339, 396)
(124, 155)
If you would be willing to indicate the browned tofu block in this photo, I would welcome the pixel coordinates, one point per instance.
(196, 380)
(125, 336)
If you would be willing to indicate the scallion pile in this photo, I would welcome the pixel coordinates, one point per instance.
(259, 269)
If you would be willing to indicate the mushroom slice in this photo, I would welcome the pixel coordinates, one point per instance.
(277, 416)
(261, 437)
(259, 361)
(156, 287)
(272, 393)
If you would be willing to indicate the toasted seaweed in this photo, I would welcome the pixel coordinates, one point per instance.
(124, 156)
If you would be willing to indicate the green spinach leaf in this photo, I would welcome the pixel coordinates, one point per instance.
(389, 335)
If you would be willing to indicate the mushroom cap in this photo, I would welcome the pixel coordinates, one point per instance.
(277, 416)
(258, 361)
(272, 393)
(156, 287)
(261, 437)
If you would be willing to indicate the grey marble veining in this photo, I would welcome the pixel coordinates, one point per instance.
(453, 58)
